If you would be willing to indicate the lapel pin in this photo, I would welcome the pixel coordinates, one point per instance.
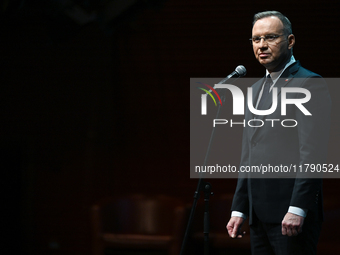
(286, 79)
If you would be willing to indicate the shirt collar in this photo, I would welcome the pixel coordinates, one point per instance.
(276, 75)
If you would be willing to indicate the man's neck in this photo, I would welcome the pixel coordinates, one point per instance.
(276, 74)
(281, 65)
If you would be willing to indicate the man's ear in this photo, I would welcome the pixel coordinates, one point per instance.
(291, 41)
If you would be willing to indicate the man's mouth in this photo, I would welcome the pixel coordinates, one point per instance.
(263, 55)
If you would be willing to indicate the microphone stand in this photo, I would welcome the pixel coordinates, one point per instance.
(206, 188)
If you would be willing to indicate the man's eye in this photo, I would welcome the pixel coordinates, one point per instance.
(270, 37)
(256, 39)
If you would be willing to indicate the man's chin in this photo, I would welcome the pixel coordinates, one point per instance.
(265, 62)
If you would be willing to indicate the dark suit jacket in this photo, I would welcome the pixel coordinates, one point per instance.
(304, 144)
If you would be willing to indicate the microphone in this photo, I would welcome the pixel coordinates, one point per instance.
(240, 71)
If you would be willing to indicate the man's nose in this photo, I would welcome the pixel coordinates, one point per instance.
(263, 43)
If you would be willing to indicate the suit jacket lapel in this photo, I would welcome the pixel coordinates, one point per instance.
(284, 79)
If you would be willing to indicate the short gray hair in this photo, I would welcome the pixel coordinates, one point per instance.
(287, 26)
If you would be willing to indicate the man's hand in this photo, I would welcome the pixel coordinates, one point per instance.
(234, 227)
(292, 224)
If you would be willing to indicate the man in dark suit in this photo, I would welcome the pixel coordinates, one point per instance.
(285, 213)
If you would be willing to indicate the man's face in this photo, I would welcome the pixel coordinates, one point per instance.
(272, 55)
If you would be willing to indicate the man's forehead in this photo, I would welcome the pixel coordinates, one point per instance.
(270, 24)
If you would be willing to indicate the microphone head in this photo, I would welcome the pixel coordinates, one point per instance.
(241, 70)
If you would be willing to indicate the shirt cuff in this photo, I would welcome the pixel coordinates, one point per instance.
(298, 211)
(238, 214)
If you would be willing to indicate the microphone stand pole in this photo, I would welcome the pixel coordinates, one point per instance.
(206, 188)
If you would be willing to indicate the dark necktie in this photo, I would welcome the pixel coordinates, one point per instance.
(266, 95)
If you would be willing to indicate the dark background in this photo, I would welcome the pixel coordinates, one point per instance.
(96, 108)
